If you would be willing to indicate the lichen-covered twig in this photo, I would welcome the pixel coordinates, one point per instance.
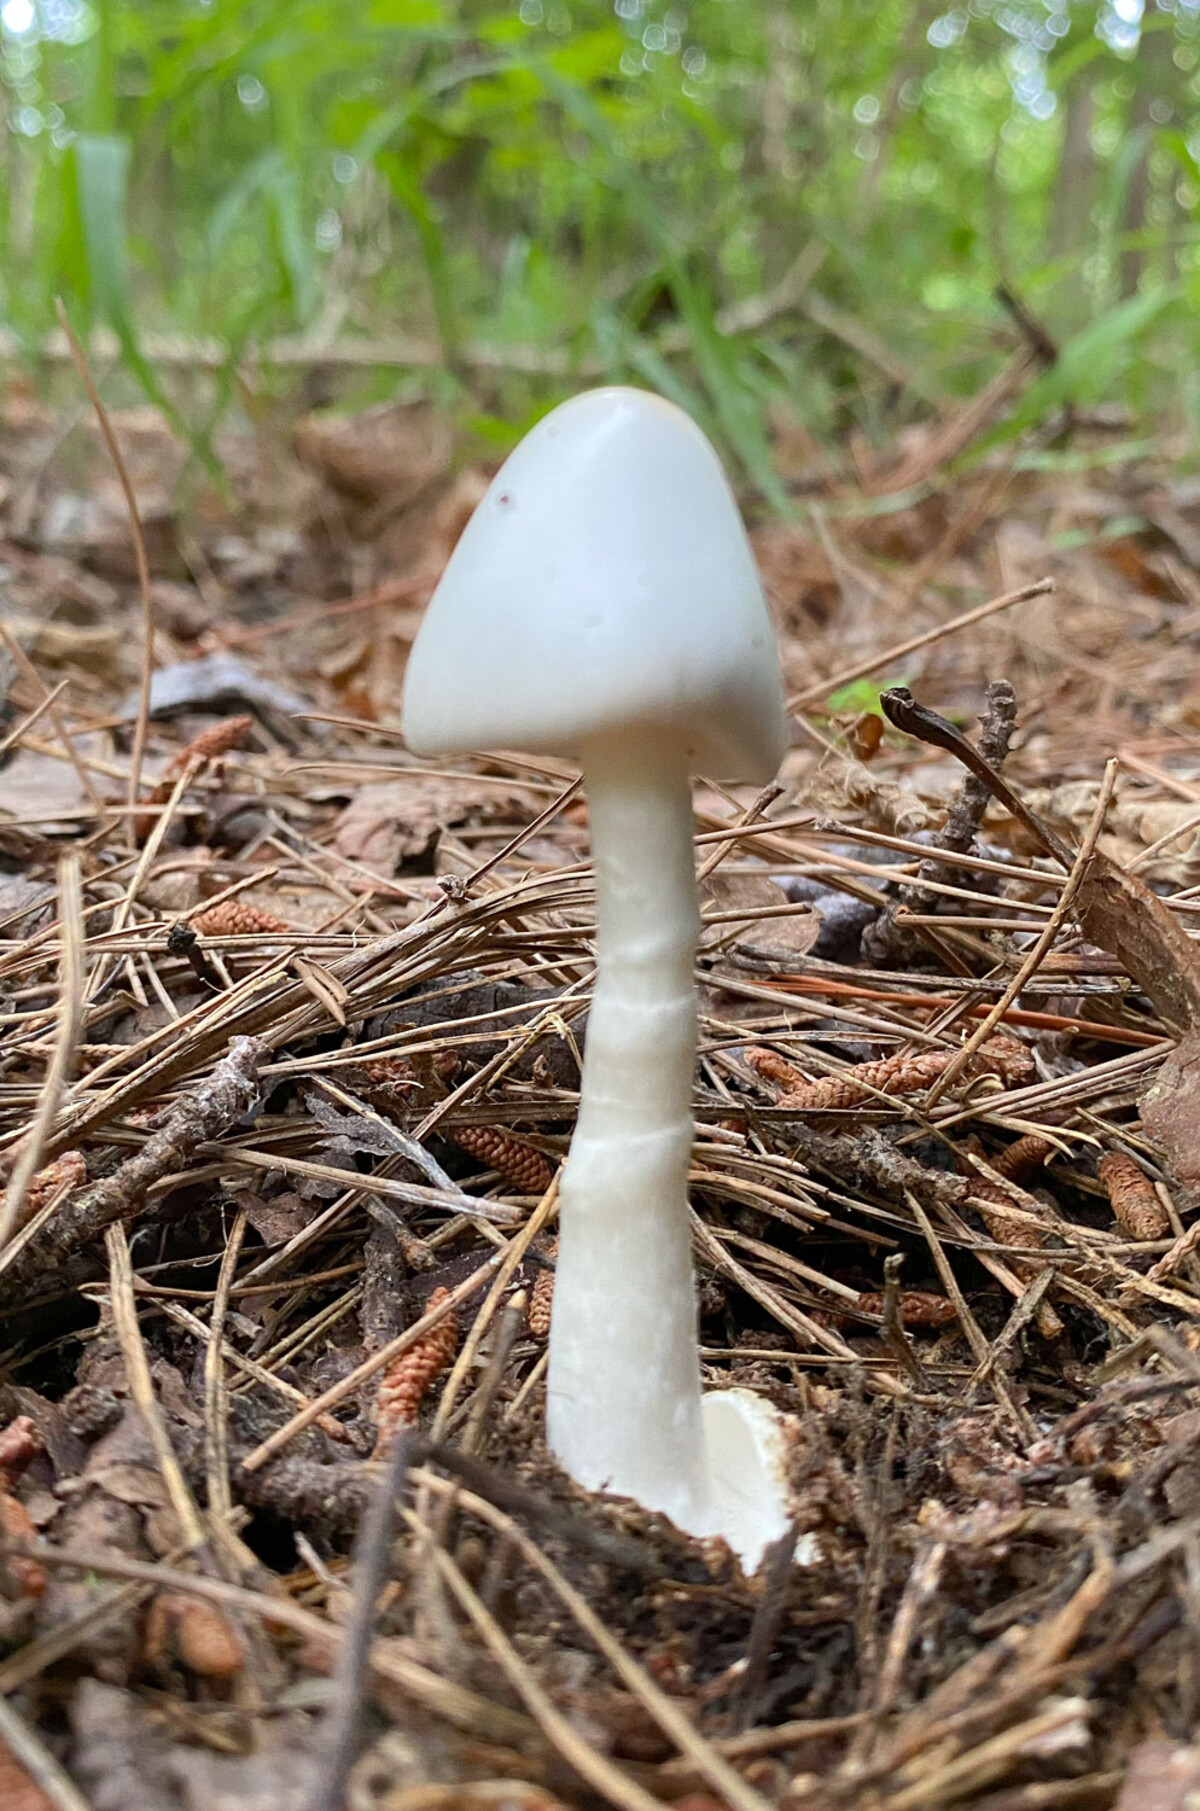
(970, 801)
(209, 1109)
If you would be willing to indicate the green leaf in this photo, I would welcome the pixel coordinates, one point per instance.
(860, 695)
(1087, 369)
(101, 166)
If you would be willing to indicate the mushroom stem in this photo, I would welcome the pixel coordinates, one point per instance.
(623, 1402)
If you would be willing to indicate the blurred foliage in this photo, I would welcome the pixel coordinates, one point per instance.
(609, 186)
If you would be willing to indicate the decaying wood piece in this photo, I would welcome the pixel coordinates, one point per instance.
(1171, 1112)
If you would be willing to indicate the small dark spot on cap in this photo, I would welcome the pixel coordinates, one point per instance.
(505, 499)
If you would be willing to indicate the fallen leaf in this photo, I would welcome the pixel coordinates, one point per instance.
(1171, 1111)
(17, 1791)
(277, 1220)
(1162, 1776)
(400, 820)
(392, 450)
(45, 793)
(785, 937)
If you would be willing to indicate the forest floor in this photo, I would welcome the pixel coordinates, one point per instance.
(291, 1026)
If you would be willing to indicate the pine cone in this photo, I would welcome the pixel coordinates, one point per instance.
(541, 1298)
(526, 1169)
(908, 1073)
(237, 918)
(918, 1307)
(217, 740)
(1020, 1160)
(1133, 1197)
(403, 1384)
(209, 745)
(774, 1068)
(997, 1210)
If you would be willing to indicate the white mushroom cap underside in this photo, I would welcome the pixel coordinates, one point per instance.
(605, 582)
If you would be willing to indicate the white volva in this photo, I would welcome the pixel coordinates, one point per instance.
(603, 602)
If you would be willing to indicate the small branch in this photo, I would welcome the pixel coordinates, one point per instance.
(40, 1767)
(70, 1016)
(209, 1110)
(79, 360)
(339, 1737)
(812, 694)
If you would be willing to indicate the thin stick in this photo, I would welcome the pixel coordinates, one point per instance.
(70, 1015)
(753, 811)
(216, 1390)
(587, 1761)
(970, 1326)
(517, 1247)
(343, 1721)
(41, 1766)
(338, 1392)
(812, 693)
(49, 704)
(1034, 959)
(466, 1709)
(79, 360)
(671, 1719)
(34, 716)
(141, 1386)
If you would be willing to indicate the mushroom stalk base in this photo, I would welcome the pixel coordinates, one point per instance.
(624, 1408)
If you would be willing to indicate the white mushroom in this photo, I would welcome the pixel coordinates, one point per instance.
(603, 602)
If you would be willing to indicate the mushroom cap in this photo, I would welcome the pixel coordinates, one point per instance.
(604, 584)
